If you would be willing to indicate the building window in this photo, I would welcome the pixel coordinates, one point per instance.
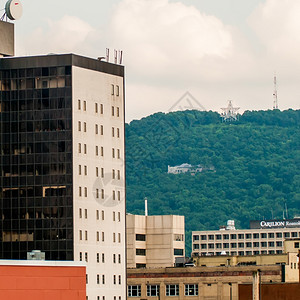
(241, 236)
(119, 175)
(153, 290)
(101, 109)
(84, 126)
(279, 244)
(271, 244)
(263, 244)
(84, 105)
(103, 279)
(86, 235)
(79, 148)
(256, 244)
(119, 237)
(195, 237)
(119, 258)
(113, 152)
(114, 237)
(114, 216)
(80, 213)
(233, 236)
(241, 245)
(296, 245)
(114, 258)
(119, 195)
(233, 245)
(85, 192)
(79, 169)
(117, 90)
(97, 236)
(112, 89)
(102, 193)
(279, 234)
(286, 234)
(97, 193)
(120, 279)
(112, 111)
(115, 279)
(113, 132)
(255, 235)
(248, 244)
(97, 214)
(119, 217)
(101, 130)
(102, 151)
(84, 148)
(225, 236)
(263, 235)
(271, 235)
(118, 132)
(294, 234)
(98, 279)
(248, 235)
(118, 112)
(178, 252)
(85, 170)
(172, 290)
(102, 236)
(79, 126)
(103, 258)
(80, 256)
(113, 174)
(140, 237)
(102, 172)
(96, 128)
(96, 107)
(86, 256)
(140, 252)
(191, 290)
(97, 172)
(79, 105)
(85, 213)
(98, 257)
(134, 291)
(102, 214)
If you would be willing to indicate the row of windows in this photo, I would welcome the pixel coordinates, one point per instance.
(115, 153)
(115, 90)
(82, 105)
(115, 216)
(100, 193)
(238, 245)
(83, 235)
(102, 281)
(154, 290)
(242, 236)
(100, 257)
(242, 253)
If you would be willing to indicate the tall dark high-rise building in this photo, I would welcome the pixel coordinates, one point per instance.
(62, 187)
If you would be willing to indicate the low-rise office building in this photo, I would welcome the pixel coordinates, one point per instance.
(196, 282)
(263, 237)
(154, 241)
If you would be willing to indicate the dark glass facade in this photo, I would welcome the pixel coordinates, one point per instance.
(36, 206)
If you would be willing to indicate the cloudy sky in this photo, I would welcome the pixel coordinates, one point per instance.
(217, 50)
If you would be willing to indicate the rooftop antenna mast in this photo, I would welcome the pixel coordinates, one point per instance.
(275, 100)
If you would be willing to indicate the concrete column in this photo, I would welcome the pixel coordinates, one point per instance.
(256, 285)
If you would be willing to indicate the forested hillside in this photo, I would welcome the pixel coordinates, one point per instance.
(256, 161)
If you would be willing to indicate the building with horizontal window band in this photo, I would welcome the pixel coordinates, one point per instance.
(263, 237)
(154, 241)
(62, 186)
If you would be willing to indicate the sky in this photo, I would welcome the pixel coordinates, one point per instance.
(178, 54)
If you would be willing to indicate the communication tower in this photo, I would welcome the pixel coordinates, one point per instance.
(275, 100)
(230, 113)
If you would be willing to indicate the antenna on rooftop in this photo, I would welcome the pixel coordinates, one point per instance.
(13, 10)
(275, 100)
(107, 54)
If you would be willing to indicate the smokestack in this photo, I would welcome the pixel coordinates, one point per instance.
(146, 207)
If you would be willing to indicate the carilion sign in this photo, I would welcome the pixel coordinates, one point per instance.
(268, 224)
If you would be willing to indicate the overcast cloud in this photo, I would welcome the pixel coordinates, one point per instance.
(171, 47)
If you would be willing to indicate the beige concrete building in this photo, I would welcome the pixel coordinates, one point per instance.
(154, 241)
(196, 282)
(288, 260)
(230, 241)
